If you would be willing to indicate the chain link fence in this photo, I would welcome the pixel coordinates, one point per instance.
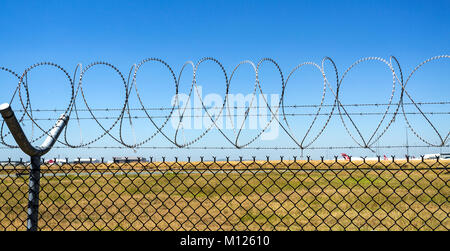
(230, 195)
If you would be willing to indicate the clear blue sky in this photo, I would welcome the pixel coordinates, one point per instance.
(291, 32)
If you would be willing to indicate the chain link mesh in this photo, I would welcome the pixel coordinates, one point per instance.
(231, 195)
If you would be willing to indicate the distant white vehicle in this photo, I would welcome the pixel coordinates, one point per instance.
(56, 161)
(13, 163)
(346, 157)
(85, 161)
(128, 159)
(431, 156)
(437, 155)
(445, 156)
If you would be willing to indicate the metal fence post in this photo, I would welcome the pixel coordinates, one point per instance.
(35, 153)
(33, 194)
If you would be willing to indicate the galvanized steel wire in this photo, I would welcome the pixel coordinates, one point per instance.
(331, 86)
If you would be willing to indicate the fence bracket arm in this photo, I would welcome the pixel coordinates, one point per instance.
(20, 137)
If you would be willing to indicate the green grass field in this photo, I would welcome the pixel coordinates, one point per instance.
(228, 196)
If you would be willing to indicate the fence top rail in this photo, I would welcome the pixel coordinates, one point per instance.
(90, 165)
